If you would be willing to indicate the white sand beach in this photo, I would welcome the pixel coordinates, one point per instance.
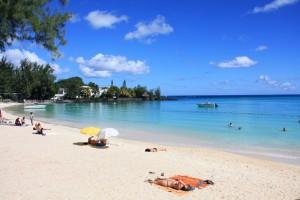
(53, 167)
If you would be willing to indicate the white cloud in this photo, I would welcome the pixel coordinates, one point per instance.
(274, 5)
(104, 65)
(274, 83)
(237, 62)
(15, 56)
(261, 48)
(74, 18)
(103, 19)
(147, 32)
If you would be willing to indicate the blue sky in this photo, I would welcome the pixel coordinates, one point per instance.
(185, 47)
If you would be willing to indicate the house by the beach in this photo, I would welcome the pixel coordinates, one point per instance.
(60, 95)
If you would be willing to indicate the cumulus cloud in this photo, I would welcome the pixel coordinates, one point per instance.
(104, 65)
(147, 31)
(15, 56)
(274, 83)
(237, 62)
(104, 19)
(274, 5)
(261, 48)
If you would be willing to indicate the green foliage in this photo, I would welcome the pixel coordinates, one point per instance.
(139, 91)
(124, 92)
(113, 92)
(33, 20)
(94, 87)
(157, 93)
(85, 92)
(30, 80)
(72, 86)
(6, 77)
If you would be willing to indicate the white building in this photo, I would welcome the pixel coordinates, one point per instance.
(60, 95)
(101, 91)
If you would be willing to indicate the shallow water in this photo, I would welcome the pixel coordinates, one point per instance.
(182, 122)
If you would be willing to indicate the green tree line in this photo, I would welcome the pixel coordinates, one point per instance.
(36, 81)
(28, 81)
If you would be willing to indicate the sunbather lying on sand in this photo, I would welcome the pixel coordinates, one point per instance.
(175, 184)
(94, 140)
(155, 149)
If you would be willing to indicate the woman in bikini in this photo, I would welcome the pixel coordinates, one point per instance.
(172, 183)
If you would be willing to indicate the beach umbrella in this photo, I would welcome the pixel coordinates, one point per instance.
(91, 131)
(107, 133)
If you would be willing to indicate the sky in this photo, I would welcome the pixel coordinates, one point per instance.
(190, 47)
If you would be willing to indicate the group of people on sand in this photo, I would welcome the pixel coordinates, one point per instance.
(20, 121)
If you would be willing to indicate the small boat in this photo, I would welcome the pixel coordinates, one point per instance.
(35, 106)
(207, 105)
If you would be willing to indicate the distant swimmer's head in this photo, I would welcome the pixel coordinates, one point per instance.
(284, 129)
(239, 128)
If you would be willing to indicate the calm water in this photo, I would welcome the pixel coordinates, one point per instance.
(181, 122)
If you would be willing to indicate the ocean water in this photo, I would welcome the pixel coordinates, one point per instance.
(182, 122)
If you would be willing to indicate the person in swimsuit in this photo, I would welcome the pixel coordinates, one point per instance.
(172, 183)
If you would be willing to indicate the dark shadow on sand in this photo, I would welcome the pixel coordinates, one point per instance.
(80, 143)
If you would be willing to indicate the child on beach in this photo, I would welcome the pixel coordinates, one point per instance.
(1, 117)
(31, 118)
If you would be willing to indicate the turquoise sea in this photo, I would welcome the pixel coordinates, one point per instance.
(182, 122)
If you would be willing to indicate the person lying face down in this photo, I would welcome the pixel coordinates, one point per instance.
(96, 140)
(175, 184)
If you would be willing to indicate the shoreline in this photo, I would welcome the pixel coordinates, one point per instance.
(287, 156)
(52, 167)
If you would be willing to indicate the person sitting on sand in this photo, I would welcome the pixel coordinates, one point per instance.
(175, 184)
(38, 127)
(94, 140)
(18, 122)
(23, 120)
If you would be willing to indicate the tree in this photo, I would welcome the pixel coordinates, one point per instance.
(72, 85)
(112, 92)
(157, 93)
(139, 91)
(6, 78)
(124, 92)
(33, 20)
(124, 84)
(94, 87)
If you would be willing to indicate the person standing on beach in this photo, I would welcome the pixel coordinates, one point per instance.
(1, 118)
(31, 118)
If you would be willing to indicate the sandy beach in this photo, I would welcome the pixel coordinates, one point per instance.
(53, 167)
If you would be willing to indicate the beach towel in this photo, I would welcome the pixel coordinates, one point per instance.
(195, 182)
(191, 181)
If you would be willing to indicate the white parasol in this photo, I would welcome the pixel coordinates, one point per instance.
(107, 133)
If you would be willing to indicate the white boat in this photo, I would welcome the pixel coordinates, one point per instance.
(208, 105)
(35, 106)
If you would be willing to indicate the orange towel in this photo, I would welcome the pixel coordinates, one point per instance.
(190, 180)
